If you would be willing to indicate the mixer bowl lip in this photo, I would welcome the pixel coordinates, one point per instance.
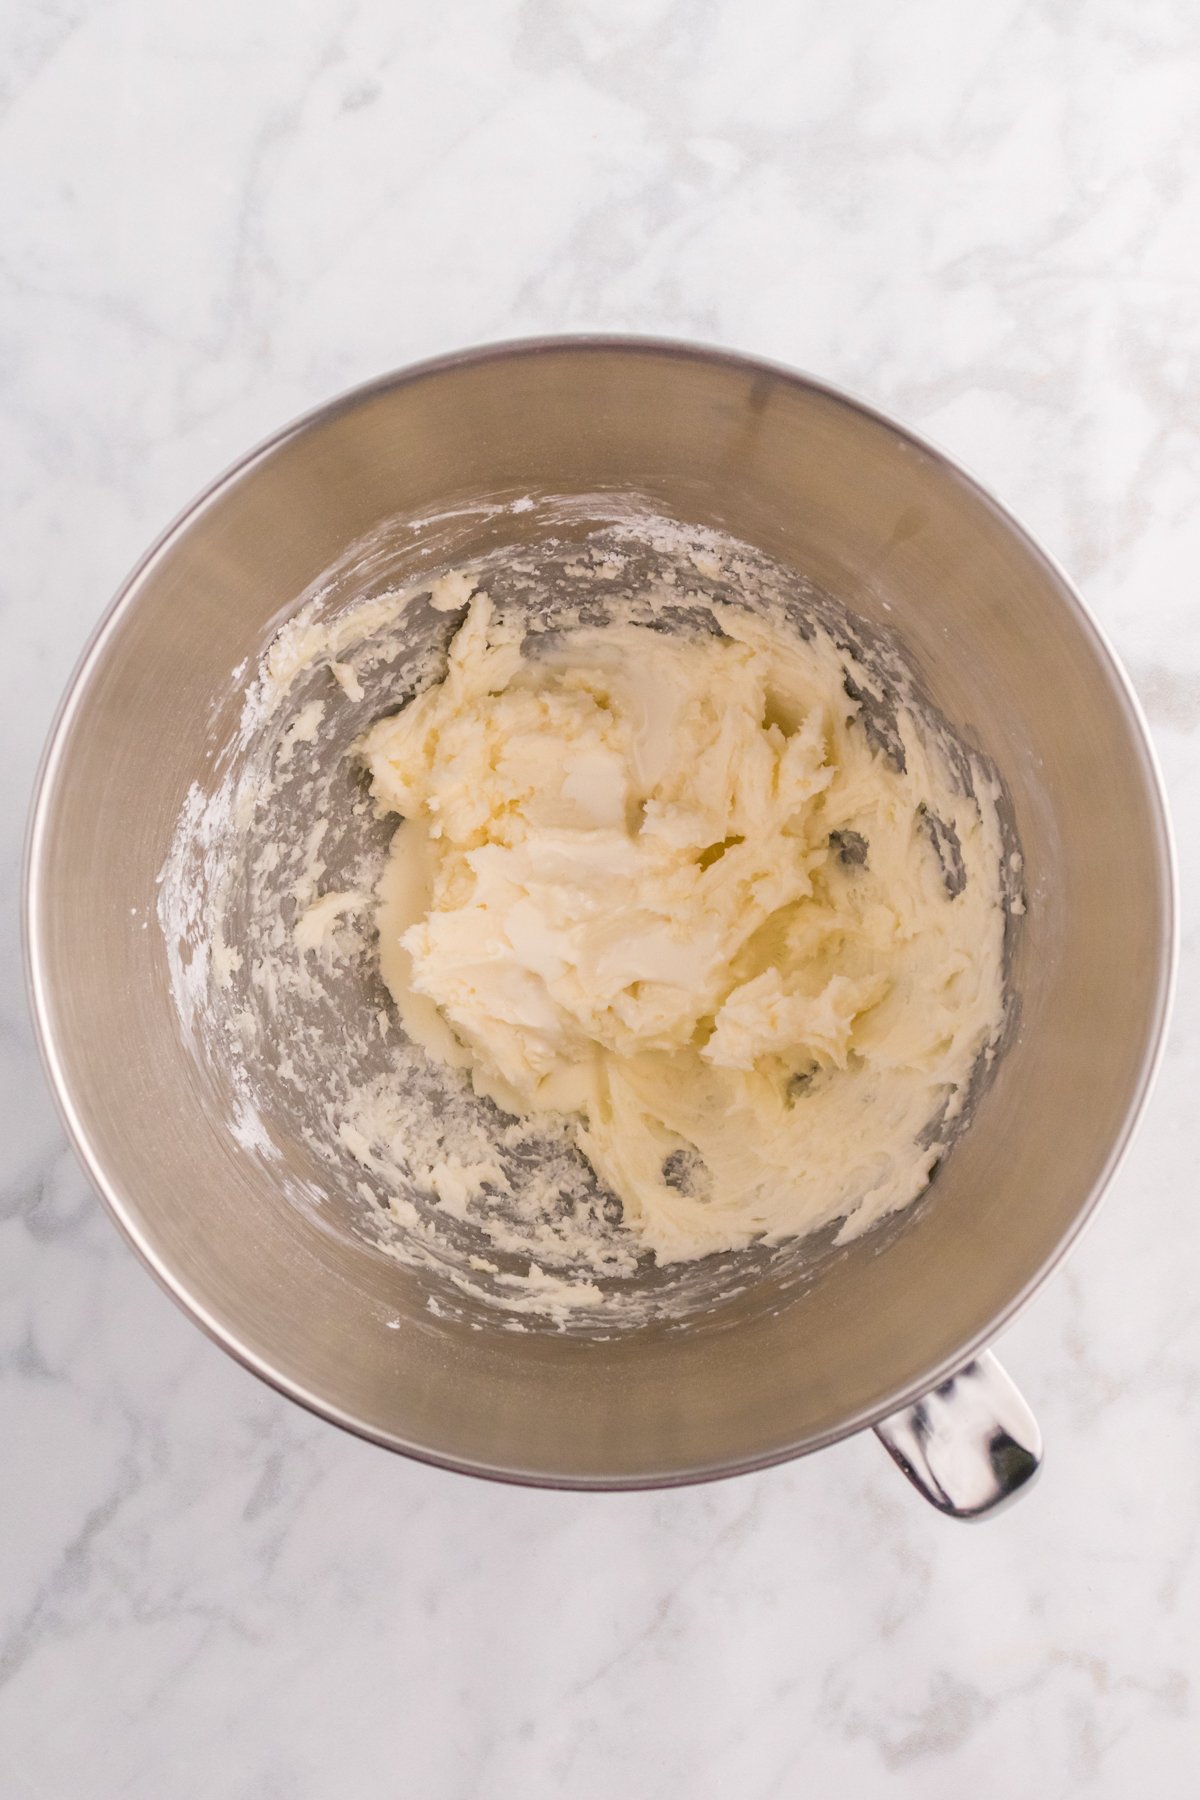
(51, 767)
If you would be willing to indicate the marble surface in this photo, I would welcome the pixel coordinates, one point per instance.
(984, 219)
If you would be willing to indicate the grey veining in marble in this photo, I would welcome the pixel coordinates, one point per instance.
(987, 220)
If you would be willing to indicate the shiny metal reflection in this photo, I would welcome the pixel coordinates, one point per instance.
(971, 1445)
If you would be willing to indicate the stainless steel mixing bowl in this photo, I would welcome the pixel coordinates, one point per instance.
(1007, 651)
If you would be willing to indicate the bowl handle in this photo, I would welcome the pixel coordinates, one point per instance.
(970, 1445)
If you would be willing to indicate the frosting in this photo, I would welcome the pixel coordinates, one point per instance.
(684, 889)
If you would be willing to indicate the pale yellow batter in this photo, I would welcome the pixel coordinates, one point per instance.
(669, 885)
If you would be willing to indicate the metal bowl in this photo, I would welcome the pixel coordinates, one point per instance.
(1008, 653)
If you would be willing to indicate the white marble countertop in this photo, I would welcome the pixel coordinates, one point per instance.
(984, 219)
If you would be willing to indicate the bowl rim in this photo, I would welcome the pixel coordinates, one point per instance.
(49, 768)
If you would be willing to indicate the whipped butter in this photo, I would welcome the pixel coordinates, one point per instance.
(679, 888)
